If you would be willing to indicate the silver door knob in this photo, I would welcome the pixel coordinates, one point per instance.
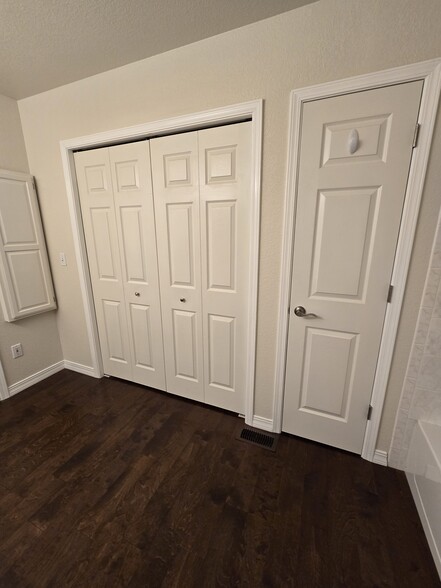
(182, 300)
(301, 311)
(137, 294)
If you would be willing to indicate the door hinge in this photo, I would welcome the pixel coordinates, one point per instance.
(389, 294)
(289, 309)
(415, 135)
(369, 414)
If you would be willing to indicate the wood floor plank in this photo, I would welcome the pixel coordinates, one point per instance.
(104, 483)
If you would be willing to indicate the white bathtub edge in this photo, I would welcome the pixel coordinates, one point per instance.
(424, 521)
(425, 453)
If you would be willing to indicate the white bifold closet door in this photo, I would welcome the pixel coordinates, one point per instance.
(201, 186)
(118, 217)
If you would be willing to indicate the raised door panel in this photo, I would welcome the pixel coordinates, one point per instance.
(113, 312)
(225, 189)
(185, 345)
(221, 345)
(135, 221)
(221, 245)
(100, 230)
(17, 224)
(177, 211)
(102, 249)
(353, 168)
(180, 236)
(344, 233)
(328, 362)
(29, 282)
(141, 326)
(132, 236)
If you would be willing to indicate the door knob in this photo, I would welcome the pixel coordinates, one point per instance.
(300, 311)
(137, 294)
(182, 300)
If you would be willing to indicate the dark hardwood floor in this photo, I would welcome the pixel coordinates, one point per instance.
(106, 483)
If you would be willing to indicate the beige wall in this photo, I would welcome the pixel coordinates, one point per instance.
(325, 41)
(39, 334)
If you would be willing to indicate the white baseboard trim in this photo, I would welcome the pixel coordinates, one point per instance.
(263, 423)
(35, 378)
(49, 371)
(380, 457)
(80, 368)
(424, 521)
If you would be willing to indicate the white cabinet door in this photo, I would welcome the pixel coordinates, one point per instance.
(225, 183)
(116, 202)
(353, 168)
(176, 197)
(25, 278)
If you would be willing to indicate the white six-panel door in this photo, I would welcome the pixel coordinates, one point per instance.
(176, 197)
(185, 332)
(353, 168)
(224, 173)
(202, 184)
(117, 208)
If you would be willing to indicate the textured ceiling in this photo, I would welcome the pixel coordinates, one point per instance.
(48, 43)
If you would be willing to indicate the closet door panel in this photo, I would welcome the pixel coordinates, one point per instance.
(176, 199)
(100, 228)
(225, 189)
(185, 350)
(140, 322)
(133, 197)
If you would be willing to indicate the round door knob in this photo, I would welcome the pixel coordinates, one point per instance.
(301, 311)
(182, 300)
(137, 294)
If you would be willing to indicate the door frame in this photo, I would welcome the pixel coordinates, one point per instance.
(252, 111)
(430, 73)
(4, 391)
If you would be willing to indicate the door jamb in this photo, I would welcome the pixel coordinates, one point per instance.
(4, 391)
(253, 111)
(430, 73)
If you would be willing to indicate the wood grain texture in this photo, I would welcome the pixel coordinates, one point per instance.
(106, 483)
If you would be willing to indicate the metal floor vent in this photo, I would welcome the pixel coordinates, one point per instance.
(256, 437)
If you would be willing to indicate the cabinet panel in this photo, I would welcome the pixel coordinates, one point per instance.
(25, 280)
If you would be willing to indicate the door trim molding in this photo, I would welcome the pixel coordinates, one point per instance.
(4, 392)
(253, 111)
(430, 72)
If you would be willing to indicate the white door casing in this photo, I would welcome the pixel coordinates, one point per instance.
(117, 208)
(252, 111)
(348, 214)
